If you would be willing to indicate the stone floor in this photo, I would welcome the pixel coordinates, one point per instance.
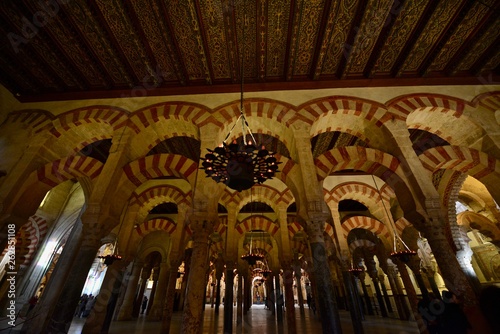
(258, 320)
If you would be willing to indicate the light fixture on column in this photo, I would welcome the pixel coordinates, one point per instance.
(253, 255)
(400, 250)
(240, 165)
(111, 258)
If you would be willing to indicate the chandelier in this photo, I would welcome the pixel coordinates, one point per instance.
(400, 250)
(240, 165)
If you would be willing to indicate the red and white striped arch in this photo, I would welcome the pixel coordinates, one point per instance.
(221, 226)
(330, 231)
(257, 222)
(265, 116)
(349, 115)
(367, 223)
(489, 101)
(401, 224)
(355, 157)
(259, 244)
(158, 165)
(117, 118)
(358, 191)
(299, 246)
(38, 120)
(194, 113)
(345, 105)
(157, 224)
(361, 243)
(406, 104)
(462, 159)
(293, 228)
(28, 239)
(68, 168)
(169, 193)
(261, 192)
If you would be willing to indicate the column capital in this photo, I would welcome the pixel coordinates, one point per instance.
(315, 229)
(202, 225)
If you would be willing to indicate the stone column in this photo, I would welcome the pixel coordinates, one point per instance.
(351, 299)
(414, 266)
(219, 269)
(289, 300)
(455, 278)
(381, 279)
(187, 266)
(228, 298)
(168, 309)
(300, 296)
(126, 309)
(247, 292)
(396, 293)
(68, 300)
(372, 272)
(100, 315)
(146, 273)
(45, 306)
(327, 305)
(156, 275)
(412, 296)
(192, 317)
(368, 302)
(271, 300)
(239, 298)
(279, 296)
(157, 305)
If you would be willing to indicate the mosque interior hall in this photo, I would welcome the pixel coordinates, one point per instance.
(238, 166)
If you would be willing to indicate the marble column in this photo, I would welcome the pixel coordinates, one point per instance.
(125, 312)
(146, 273)
(68, 300)
(351, 301)
(152, 295)
(219, 269)
(381, 280)
(391, 275)
(401, 293)
(271, 299)
(99, 319)
(289, 300)
(298, 282)
(279, 296)
(247, 292)
(431, 277)
(414, 265)
(187, 266)
(239, 298)
(373, 273)
(157, 305)
(168, 308)
(45, 306)
(228, 298)
(455, 278)
(327, 305)
(412, 295)
(192, 316)
(368, 302)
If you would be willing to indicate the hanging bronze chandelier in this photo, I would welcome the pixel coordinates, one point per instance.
(240, 165)
(400, 250)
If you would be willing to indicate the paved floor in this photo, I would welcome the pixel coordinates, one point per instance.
(258, 320)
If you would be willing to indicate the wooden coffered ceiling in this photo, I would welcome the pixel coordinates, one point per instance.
(77, 49)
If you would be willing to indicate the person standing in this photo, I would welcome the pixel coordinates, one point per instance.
(144, 304)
